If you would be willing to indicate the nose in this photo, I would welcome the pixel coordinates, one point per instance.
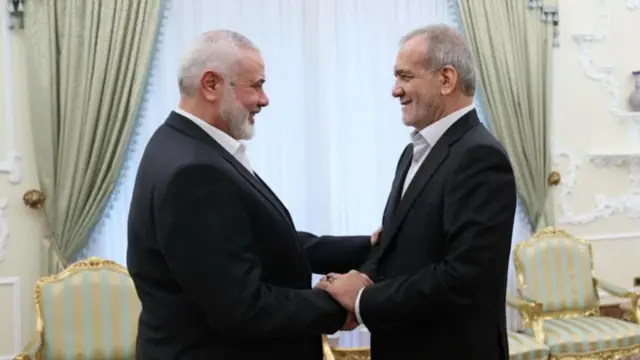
(397, 91)
(264, 100)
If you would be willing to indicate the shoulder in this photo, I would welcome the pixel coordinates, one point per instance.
(479, 144)
(198, 182)
(172, 159)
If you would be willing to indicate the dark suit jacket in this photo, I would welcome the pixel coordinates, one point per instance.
(217, 262)
(440, 267)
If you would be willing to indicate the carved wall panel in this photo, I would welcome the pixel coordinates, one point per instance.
(605, 206)
(10, 292)
(9, 155)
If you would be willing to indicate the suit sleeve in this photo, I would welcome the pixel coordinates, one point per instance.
(337, 254)
(206, 237)
(369, 264)
(480, 203)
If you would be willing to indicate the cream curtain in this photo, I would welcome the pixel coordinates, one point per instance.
(513, 50)
(88, 63)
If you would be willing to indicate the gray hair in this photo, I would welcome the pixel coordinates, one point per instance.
(217, 50)
(446, 46)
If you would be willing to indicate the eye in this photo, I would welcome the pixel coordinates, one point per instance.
(258, 85)
(404, 77)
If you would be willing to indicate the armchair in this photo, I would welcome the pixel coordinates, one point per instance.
(558, 300)
(88, 311)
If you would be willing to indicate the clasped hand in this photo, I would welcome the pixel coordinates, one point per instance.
(344, 288)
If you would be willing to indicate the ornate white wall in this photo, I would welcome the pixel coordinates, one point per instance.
(19, 231)
(596, 137)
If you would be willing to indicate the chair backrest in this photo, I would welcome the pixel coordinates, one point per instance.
(90, 310)
(555, 269)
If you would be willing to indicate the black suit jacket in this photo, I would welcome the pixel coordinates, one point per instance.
(440, 267)
(216, 260)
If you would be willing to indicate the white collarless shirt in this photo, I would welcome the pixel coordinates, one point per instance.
(237, 149)
(423, 141)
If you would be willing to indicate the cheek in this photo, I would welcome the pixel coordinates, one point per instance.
(251, 100)
(247, 101)
(428, 95)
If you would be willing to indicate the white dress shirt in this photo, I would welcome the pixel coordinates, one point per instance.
(233, 146)
(423, 142)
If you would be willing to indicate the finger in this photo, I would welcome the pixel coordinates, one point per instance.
(322, 285)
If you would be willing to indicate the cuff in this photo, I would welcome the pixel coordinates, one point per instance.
(358, 317)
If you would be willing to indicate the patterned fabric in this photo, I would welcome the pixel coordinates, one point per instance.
(580, 335)
(557, 273)
(92, 314)
(524, 347)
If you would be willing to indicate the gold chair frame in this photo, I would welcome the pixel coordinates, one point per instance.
(340, 353)
(533, 314)
(93, 263)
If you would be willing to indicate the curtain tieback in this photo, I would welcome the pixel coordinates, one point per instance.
(55, 250)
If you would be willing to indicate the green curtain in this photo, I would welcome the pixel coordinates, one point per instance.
(513, 51)
(88, 62)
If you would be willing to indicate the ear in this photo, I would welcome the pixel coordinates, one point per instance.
(211, 84)
(448, 80)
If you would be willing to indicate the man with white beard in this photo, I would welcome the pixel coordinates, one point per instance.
(217, 262)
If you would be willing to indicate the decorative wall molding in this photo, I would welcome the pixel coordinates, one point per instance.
(630, 202)
(630, 160)
(10, 165)
(606, 206)
(604, 74)
(4, 228)
(14, 282)
(611, 236)
(606, 160)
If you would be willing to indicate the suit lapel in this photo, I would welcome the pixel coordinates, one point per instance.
(398, 184)
(435, 157)
(186, 126)
(428, 168)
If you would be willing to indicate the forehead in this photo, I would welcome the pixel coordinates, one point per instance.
(251, 66)
(412, 53)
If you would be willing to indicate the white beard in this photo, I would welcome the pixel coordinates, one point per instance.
(237, 117)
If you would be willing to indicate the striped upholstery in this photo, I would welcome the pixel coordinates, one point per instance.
(583, 335)
(92, 314)
(557, 273)
(524, 347)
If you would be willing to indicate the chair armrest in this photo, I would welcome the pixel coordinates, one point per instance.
(526, 307)
(531, 312)
(32, 350)
(623, 293)
(326, 349)
(614, 290)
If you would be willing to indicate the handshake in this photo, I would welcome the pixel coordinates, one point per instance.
(344, 288)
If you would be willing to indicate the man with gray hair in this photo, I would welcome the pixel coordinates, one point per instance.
(217, 262)
(440, 266)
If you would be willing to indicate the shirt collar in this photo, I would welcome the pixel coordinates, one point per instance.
(230, 144)
(432, 133)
